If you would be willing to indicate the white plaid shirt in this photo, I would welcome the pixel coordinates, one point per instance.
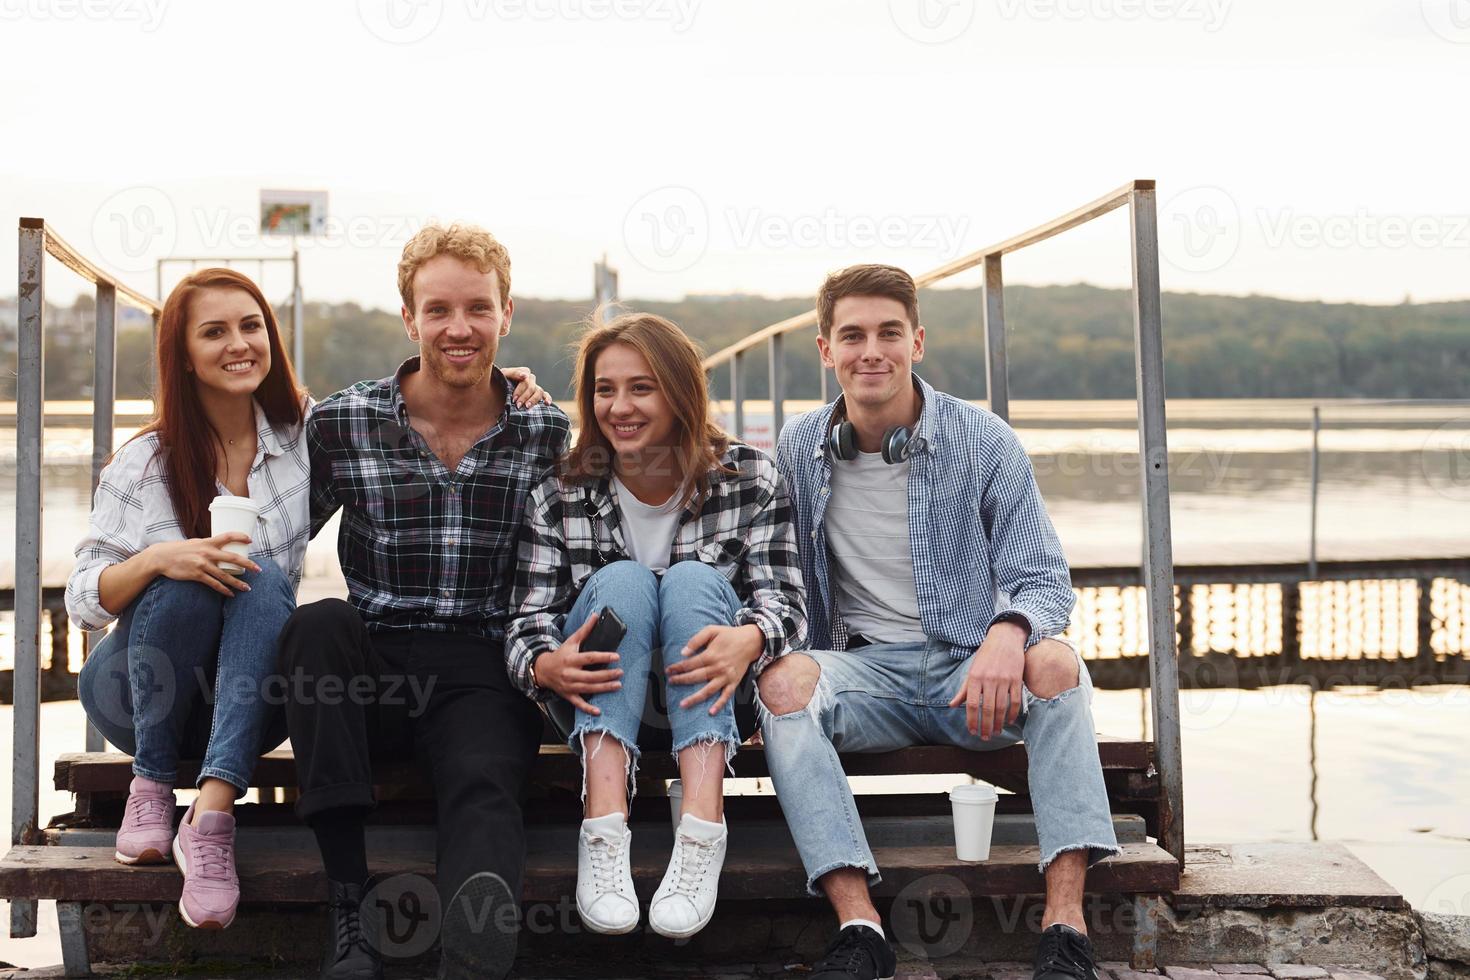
(132, 510)
(743, 529)
(982, 543)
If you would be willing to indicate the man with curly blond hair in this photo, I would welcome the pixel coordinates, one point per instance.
(430, 469)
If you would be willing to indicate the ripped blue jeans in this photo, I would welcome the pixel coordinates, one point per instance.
(888, 696)
(662, 614)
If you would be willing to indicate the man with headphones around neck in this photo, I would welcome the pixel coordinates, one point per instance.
(937, 588)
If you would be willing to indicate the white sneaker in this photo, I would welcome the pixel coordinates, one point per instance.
(605, 898)
(685, 901)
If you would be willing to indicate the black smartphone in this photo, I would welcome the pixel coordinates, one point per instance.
(605, 636)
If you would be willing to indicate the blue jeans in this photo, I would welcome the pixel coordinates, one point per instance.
(188, 671)
(889, 696)
(662, 614)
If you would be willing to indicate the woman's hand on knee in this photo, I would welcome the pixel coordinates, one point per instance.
(574, 673)
(199, 560)
(717, 657)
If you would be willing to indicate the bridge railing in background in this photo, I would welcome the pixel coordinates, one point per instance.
(36, 242)
(1158, 562)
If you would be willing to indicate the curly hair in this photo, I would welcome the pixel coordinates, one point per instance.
(470, 243)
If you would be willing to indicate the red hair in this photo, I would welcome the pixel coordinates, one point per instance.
(185, 436)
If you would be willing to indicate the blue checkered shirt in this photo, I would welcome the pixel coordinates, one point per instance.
(982, 544)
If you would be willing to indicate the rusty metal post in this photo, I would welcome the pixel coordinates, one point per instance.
(30, 406)
(997, 382)
(1158, 551)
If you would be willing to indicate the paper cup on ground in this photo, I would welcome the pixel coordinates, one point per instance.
(676, 802)
(974, 818)
(227, 514)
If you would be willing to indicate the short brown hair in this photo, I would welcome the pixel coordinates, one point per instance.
(867, 280)
(469, 243)
(677, 365)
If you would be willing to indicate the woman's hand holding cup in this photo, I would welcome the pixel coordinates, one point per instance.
(573, 672)
(199, 560)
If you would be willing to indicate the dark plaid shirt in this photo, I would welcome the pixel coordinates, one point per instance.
(421, 547)
(743, 529)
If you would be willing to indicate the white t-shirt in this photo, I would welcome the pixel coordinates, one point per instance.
(868, 540)
(648, 529)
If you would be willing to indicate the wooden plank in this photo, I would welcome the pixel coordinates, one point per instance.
(104, 772)
(83, 874)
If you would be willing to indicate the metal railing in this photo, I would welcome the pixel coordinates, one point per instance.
(36, 242)
(1158, 559)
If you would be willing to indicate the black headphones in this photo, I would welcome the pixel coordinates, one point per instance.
(898, 443)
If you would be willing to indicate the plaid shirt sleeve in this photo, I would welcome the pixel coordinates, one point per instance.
(1030, 566)
(541, 590)
(324, 502)
(114, 530)
(771, 575)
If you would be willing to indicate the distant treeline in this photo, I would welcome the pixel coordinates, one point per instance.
(1064, 342)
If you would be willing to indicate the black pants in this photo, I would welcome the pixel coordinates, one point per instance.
(442, 698)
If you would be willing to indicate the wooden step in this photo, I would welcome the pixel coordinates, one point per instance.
(881, 831)
(110, 772)
(753, 871)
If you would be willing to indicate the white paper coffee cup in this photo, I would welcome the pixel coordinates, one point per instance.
(229, 513)
(676, 802)
(974, 819)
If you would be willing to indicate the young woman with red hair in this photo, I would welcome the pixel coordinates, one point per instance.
(228, 422)
(190, 669)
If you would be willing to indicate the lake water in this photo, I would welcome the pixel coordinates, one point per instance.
(1381, 771)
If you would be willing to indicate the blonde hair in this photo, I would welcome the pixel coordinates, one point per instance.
(469, 243)
(677, 365)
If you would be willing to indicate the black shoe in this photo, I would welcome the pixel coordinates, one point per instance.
(858, 953)
(350, 951)
(1064, 953)
(478, 938)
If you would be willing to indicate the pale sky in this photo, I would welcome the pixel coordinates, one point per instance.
(1312, 149)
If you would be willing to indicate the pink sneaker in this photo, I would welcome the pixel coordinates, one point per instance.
(147, 824)
(206, 856)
